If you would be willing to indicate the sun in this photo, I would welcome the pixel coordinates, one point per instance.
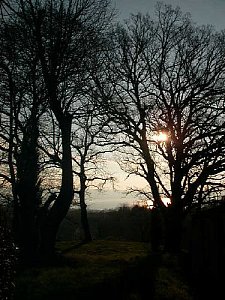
(160, 137)
(166, 200)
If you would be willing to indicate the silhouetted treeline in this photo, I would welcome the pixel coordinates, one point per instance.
(126, 223)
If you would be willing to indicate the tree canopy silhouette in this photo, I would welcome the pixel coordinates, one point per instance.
(167, 76)
(61, 39)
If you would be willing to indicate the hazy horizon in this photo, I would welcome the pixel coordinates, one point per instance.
(109, 199)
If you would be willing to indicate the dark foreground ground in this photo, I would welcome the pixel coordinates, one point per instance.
(105, 270)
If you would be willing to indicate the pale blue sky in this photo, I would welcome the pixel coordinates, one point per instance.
(202, 11)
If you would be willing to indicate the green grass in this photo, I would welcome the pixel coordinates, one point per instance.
(104, 270)
(104, 259)
(84, 271)
(105, 250)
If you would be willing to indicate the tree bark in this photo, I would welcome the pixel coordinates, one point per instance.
(62, 203)
(173, 229)
(84, 218)
(27, 189)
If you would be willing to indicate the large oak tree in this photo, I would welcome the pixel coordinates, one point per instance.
(167, 75)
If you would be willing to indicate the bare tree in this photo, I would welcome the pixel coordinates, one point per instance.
(91, 141)
(168, 76)
(22, 94)
(65, 37)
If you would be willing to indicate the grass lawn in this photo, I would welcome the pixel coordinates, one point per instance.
(104, 270)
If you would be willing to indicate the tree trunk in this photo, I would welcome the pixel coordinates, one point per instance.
(28, 235)
(83, 206)
(62, 203)
(156, 229)
(27, 191)
(84, 219)
(174, 213)
(173, 229)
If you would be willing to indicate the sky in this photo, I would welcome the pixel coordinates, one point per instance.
(108, 199)
(202, 11)
(112, 198)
